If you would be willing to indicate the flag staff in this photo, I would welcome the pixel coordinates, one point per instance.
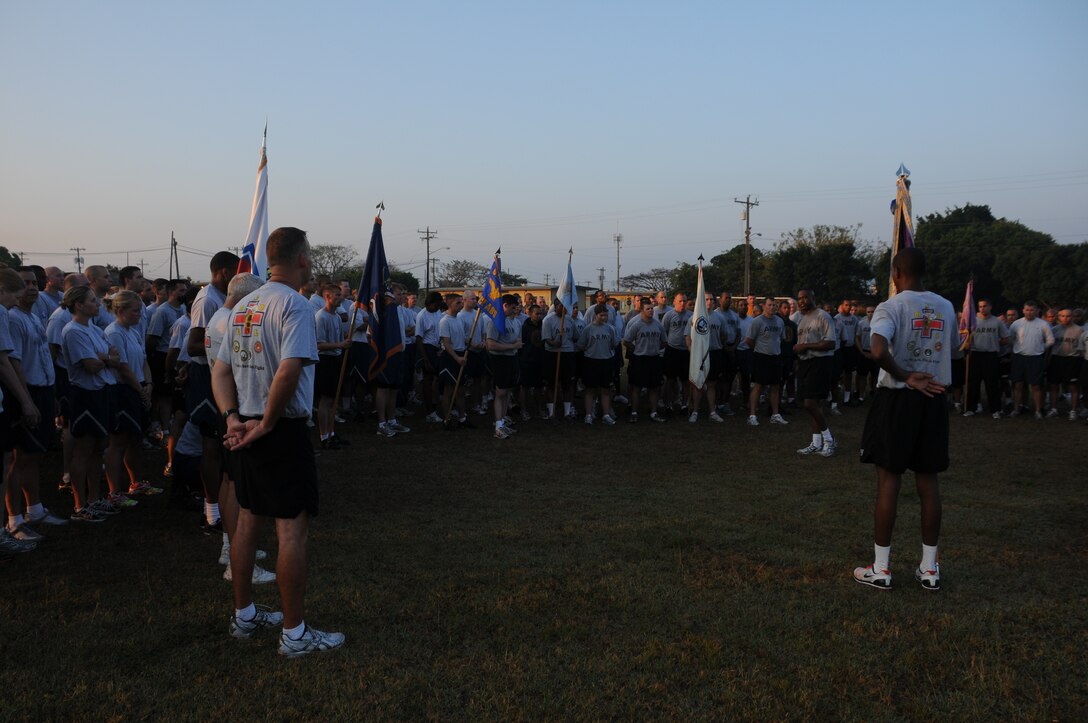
(461, 370)
(351, 324)
(559, 351)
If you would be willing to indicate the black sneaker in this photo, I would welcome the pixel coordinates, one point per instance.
(215, 528)
(340, 442)
(466, 423)
(330, 443)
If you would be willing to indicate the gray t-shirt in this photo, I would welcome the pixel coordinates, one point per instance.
(550, 332)
(215, 332)
(921, 329)
(427, 326)
(450, 327)
(675, 323)
(863, 335)
(511, 336)
(329, 329)
(645, 336)
(988, 334)
(85, 341)
(1031, 338)
(598, 341)
(812, 328)
(129, 344)
(1067, 340)
(30, 347)
(57, 321)
(767, 335)
(161, 321)
(207, 302)
(849, 325)
(273, 323)
(730, 321)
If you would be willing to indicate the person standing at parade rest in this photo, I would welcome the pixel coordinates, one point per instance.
(451, 362)
(53, 328)
(330, 346)
(730, 323)
(53, 292)
(30, 357)
(713, 365)
(907, 427)
(867, 368)
(263, 384)
(788, 360)
(427, 348)
(559, 333)
(406, 396)
(90, 362)
(847, 321)
(644, 338)
(99, 279)
(677, 355)
(597, 342)
(531, 364)
(390, 380)
(1065, 363)
(765, 336)
(985, 344)
(473, 381)
(1032, 339)
(502, 351)
(157, 343)
(815, 348)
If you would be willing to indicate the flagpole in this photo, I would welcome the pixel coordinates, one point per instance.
(351, 324)
(461, 370)
(559, 352)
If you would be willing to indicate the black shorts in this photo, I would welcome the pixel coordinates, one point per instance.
(787, 363)
(1063, 370)
(677, 362)
(327, 375)
(430, 356)
(1004, 365)
(766, 368)
(276, 475)
(814, 377)
(1028, 369)
(64, 392)
(836, 366)
(529, 370)
(959, 372)
(156, 362)
(199, 402)
(717, 364)
(476, 366)
(392, 374)
(597, 373)
(449, 369)
(866, 366)
(644, 372)
(127, 414)
(35, 439)
(849, 358)
(567, 367)
(91, 411)
(504, 369)
(906, 430)
(408, 367)
(729, 365)
(359, 361)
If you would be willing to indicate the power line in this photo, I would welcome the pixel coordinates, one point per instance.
(748, 204)
(426, 236)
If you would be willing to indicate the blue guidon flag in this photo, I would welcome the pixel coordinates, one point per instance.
(491, 295)
(903, 228)
(386, 338)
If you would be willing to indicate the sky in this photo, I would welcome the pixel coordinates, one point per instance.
(530, 126)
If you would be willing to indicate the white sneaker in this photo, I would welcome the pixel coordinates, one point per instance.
(968, 413)
(930, 579)
(502, 433)
(24, 533)
(715, 417)
(45, 518)
(829, 448)
(264, 618)
(224, 555)
(260, 575)
(1072, 416)
(996, 415)
(312, 641)
(694, 417)
(433, 417)
(753, 421)
(607, 419)
(880, 579)
(1051, 414)
(655, 417)
(620, 399)
(589, 419)
(811, 449)
(778, 419)
(836, 411)
(397, 426)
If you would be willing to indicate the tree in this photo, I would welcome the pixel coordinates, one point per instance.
(827, 259)
(9, 258)
(652, 280)
(461, 272)
(727, 273)
(509, 279)
(333, 260)
(404, 277)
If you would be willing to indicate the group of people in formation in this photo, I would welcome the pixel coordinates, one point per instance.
(230, 376)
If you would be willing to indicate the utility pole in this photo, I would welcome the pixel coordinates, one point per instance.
(426, 236)
(79, 257)
(547, 279)
(746, 215)
(142, 263)
(174, 257)
(618, 238)
(601, 270)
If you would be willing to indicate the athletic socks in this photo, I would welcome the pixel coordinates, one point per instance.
(296, 632)
(826, 436)
(211, 512)
(846, 397)
(817, 440)
(566, 408)
(35, 510)
(929, 558)
(247, 613)
(14, 521)
(880, 557)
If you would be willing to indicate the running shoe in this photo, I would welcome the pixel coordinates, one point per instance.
(589, 419)
(260, 575)
(655, 417)
(778, 419)
(715, 417)
(930, 579)
(608, 419)
(396, 426)
(105, 507)
(86, 514)
(45, 518)
(384, 430)
(829, 448)
(434, 418)
(12, 544)
(753, 421)
(312, 641)
(880, 579)
(24, 533)
(121, 501)
(620, 399)
(143, 487)
(501, 433)
(633, 417)
(264, 618)
(812, 449)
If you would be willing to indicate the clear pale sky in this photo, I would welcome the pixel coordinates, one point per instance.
(531, 125)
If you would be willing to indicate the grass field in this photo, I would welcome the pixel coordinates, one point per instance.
(638, 572)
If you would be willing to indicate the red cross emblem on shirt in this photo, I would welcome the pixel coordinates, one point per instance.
(927, 324)
(249, 318)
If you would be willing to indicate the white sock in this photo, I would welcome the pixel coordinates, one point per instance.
(35, 510)
(14, 521)
(929, 558)
(880, 557)
(226, 541)
(845, 397)
(499, 424)
(211, 512)
(551, 409)
(393, 420)
(296, 632)
(566, 408)
(834, 405)
(826, 434)
(817, 440)
(324, 437)
(247, 613)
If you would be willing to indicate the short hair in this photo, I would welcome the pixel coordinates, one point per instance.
(243, 284)
(397, 286)
(75, 295)
(533, 307)
(190, 296)
(125, 298)
(451, 297)
(330, 286)
(1031, 302)
(433, 298)
(223, 260)
(74, 280)
(511, 299)
(911, 262)
(159, 283)
(10, 280)
(285, 244)
(645, 301)
(128, 272)
(600, 309)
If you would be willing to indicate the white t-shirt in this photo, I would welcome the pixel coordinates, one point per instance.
(921, 328)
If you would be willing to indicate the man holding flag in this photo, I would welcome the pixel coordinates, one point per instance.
(697, 338)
